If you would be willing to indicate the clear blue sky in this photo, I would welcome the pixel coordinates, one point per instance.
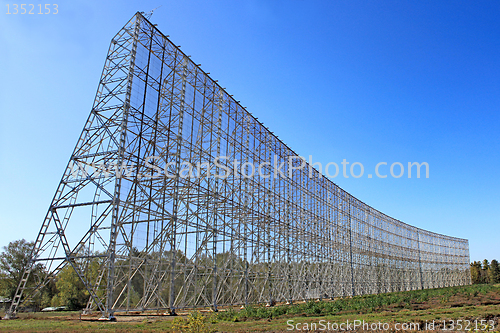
(365, 81)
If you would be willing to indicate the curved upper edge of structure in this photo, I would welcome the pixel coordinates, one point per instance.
(142, 17)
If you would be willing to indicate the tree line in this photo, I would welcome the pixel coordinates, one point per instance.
(67, 289)
(485, 272)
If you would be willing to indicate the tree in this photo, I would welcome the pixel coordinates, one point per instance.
(494, 272)
(13, 261)
(485, 270)
(71, 291)
(475, 272)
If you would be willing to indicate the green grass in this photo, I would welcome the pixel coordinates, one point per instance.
(362, 304)
(468, 302)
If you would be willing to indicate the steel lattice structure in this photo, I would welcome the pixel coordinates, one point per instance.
(169, 242)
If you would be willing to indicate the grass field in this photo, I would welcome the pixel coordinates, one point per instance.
(469, 308)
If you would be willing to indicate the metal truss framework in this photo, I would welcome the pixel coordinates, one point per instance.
(140, 240)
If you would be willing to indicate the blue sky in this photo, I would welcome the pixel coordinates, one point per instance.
(365, 81)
